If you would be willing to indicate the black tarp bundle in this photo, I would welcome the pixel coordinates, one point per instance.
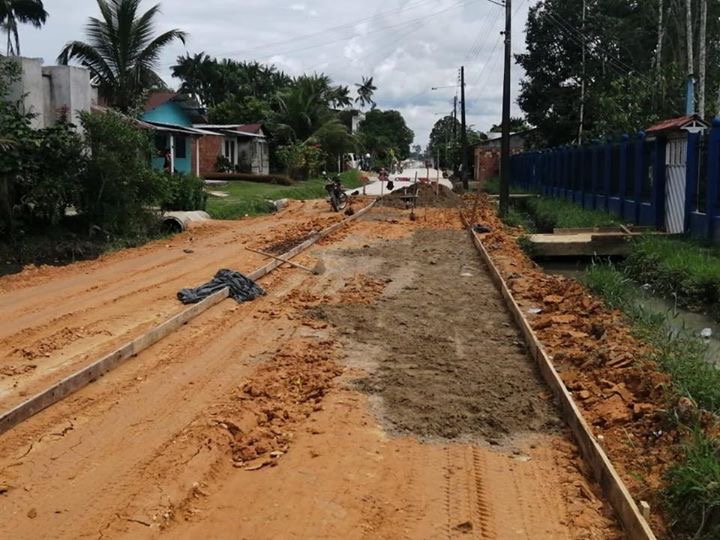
(242, 288)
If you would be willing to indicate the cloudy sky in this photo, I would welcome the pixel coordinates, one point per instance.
(409, 46)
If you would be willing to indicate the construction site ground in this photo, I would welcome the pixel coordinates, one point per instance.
(389, 397)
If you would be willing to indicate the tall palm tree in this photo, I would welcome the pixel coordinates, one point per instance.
(195, 73)
(365, 92)
(340, 97)
(13, 12)
(122, 53)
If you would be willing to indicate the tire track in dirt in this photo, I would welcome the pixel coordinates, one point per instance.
(483, 507)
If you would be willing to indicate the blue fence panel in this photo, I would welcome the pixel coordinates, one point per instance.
(713, 178)
(628, 178)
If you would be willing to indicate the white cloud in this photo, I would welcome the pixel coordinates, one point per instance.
(409, 46)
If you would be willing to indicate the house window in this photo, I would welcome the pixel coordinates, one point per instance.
(180, 147)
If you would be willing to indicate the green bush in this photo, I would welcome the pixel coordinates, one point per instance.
(118, 185)
(278, 179)
(183, 192)
(39, 169)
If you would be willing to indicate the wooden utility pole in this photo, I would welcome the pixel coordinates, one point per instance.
(690, 91)
(505, 146)
(582, 82)
(454, 133)
(463, 134)
(702, 58)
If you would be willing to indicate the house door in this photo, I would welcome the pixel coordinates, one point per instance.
(675, 161)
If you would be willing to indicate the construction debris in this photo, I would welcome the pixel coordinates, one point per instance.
(242, 288)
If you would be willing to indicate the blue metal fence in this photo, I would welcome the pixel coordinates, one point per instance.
(628, 178)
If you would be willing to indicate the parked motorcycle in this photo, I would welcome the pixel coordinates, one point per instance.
(336, 195)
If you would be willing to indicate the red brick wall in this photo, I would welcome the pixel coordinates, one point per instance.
(210, 149)
(487, 163)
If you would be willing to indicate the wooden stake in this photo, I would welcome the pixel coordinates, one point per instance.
(296, 265)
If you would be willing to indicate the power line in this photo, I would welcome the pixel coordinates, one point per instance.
(344, 26)
(373, 31)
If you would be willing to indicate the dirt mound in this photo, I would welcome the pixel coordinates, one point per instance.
(422, 195)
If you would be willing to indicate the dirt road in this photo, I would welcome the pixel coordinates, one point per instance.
(389, 397)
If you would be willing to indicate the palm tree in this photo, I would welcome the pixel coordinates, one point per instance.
(13, 12)
(195, 73)
(365, 92)
(122, 53)
(340, 97)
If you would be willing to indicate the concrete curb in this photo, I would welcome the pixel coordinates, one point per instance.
(612, 485)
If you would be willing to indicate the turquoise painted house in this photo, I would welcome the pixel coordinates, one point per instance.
(194, 146)
(172, 117)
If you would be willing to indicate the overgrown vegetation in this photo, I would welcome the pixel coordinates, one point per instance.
(681, 268)
(66, 196)
(251, 198)
(693, 485)
(549, 213)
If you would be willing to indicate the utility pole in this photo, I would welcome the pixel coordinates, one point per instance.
(658, 56)
(463, 134)
(582, 83)
(690, 89)
(505, 147)
(454, 133)
(702, 58)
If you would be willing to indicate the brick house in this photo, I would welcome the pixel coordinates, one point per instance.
(195, 146)
(486, 154)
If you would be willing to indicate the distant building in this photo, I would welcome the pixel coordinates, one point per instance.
(487, 153)
(198, 146)
(52, 92)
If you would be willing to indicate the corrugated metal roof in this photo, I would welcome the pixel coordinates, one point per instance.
(676, 124)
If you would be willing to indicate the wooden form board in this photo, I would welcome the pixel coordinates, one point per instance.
(109, 362)
(610, 482)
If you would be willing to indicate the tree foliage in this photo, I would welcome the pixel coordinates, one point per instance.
(14, 12)
(365, 92)
(122, 51)
(39, 169)
(626, 88)
(385, 134)
(445, 141)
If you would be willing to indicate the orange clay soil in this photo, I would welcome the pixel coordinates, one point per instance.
(624, 396)
(250, 422)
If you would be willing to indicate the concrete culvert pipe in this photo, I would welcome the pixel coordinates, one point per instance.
(182, 221)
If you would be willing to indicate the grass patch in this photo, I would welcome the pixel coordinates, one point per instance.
(692, 495)
(679, 267)
(492, 186)
(251, 198)
(694, 491)
(550, 213)
(678, 352)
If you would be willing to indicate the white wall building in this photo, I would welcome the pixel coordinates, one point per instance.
(51, 92)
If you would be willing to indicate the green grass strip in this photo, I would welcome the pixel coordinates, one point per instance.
(251, 198)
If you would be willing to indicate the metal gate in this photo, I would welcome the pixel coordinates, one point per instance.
(676, 170)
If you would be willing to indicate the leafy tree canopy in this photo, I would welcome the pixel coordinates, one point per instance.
(384, 133)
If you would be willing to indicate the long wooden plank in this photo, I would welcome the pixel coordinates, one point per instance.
(111, 361)
(610, 482)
